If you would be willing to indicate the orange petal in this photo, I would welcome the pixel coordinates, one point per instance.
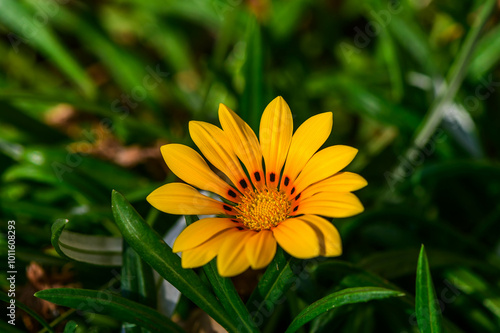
(324, 164)
(244, 141)
(201, 231)
(205, 252)
(340, 182)
(189, 166)
(331, 204)
(232, 259)
(215, 146)
(308, 138)
(329, 240)
(260, 249)
(297, 238)
(276, 127)
(182, 199)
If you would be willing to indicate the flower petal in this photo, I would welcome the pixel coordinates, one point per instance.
(306, 140)
(260, 249)
(232, 259)
(215, 146)
(329, 240)
(324, 164)
(331, 204)
(201, 231)
(297, 238)
(244, 141)
(202, 254)
(189, 166)
(340, 182)
(182, 199)
(276, 127)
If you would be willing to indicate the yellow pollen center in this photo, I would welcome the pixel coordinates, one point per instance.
(263, 209)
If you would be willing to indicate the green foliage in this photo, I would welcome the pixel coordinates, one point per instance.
(89, 91)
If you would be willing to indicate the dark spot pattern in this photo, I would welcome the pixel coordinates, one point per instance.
(298, 196)
(287, 181)
(295, 209)
(235, 221)
(293, 191)
(257, 176)
(226, 207)
(231, 193)
(272, 177)
(239, 228)
(243, 183)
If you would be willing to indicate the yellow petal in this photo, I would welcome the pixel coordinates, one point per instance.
(331, 204)
(308, 138)
(324, 164)
(260, 249)
(244, 141)
(201, 231)
(232, 259)
(202, 254)
(189, 166)
(182, 199)
(330, 243)
(215, 146)
(297, 238)
(276, 127)
(340, 182)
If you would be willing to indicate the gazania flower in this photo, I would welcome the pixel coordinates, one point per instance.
(273, 190)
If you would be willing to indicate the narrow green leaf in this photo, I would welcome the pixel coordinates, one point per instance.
(426, 305)
(107, 303)
(137, 282)
(153, 250)
(226, 293)
(343, 297)
(252, 100)
(96, 250)
(25, 29)
(4, 297)
(275, 282)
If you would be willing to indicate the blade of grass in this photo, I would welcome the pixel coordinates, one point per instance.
(426, 305)
(337, 299)
(107, 303)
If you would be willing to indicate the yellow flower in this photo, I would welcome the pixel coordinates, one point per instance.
(277, 188)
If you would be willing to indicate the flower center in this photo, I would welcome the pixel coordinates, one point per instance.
(263, 209)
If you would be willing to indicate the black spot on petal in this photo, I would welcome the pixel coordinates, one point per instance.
(226, 207)
(293, 191)
(295, 209)
(231, 193)
(257, 176)
(272, 177)
(239, 228)
(243, 183)
(235, 221)
(298, 196)
(287, 181)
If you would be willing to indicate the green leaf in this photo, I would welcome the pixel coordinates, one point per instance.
(107, 303)
(275, 282)
(71, 327)
(426, 305)
(96, 250)
(153, 250)
(227, 294)
(252, 100)
(4, 297)
(343, 297)
(27, 29)
(137, 282)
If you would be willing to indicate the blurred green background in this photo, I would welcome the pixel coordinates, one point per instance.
(89, 91)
